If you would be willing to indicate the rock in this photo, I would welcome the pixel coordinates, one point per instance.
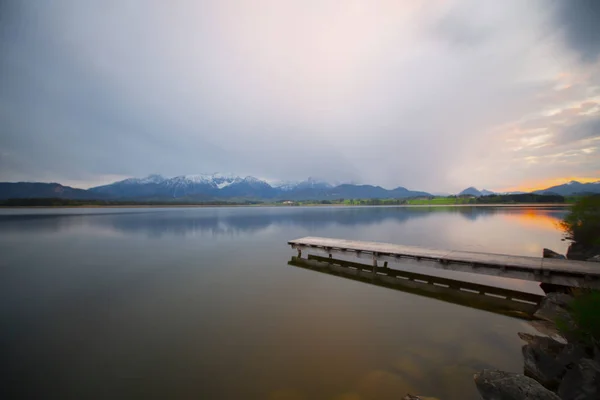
(582, 382)
(554, 306)
(547, 253)
(554, 288)
(547, 360)
(549, 345)
(500, 385)
(579, 251)
(547, 328)
(570, 355)
(542, 366)
(540, 359)
(560, 299)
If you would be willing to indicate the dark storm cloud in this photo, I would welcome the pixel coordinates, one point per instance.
(587, 129)
(580, 20)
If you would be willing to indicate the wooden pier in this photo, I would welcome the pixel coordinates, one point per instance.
(545, 270)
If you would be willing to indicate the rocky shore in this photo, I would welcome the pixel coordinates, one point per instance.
(554, 367)
(557, 366)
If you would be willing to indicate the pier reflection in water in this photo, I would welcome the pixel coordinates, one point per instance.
(483, 297)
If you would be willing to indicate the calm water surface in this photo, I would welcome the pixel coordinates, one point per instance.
(200, 303)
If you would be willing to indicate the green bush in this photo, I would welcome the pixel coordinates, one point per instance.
(584, 321)
(582, 224)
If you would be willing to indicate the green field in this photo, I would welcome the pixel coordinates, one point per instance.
(441, 201)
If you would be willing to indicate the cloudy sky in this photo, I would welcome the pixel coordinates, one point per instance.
(434, 95)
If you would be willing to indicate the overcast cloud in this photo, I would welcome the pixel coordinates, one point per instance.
(431, 95)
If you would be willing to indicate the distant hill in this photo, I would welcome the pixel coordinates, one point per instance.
(207, 187)
(572, 188)
(568, 189)
(472, 191)
(34, 190)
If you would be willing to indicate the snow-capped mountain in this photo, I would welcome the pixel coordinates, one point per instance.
(232, 186)
(210, 185)
(153, 178)
(309, 183)
(313, 183)
(285, 186)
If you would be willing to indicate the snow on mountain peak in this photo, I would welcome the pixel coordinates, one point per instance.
(199, 178)
(229, 177)
(251, 180)
(153, 178)
(312, 182)
(223, 180)
(283, 185)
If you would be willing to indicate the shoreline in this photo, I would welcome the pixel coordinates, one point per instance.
(534, 205)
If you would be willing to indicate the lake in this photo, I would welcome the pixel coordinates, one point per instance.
(200, 303)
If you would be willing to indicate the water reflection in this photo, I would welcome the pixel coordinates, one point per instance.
(482, 297)
(546, 219)
(227, 221)
(180, 303)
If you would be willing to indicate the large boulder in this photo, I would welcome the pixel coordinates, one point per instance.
(547, 253)
(546, 343)
(547, 360)
(553, 307)
(500, 385)
(541, 363)
(547, 328)
(582, 382)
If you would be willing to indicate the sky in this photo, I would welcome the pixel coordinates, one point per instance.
(432, 95)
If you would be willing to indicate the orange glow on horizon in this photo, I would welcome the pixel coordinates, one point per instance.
(539, 185)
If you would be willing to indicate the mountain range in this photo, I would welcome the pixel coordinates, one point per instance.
(206, 187)
(572, 188)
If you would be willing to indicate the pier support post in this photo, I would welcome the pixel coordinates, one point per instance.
(299, 252)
